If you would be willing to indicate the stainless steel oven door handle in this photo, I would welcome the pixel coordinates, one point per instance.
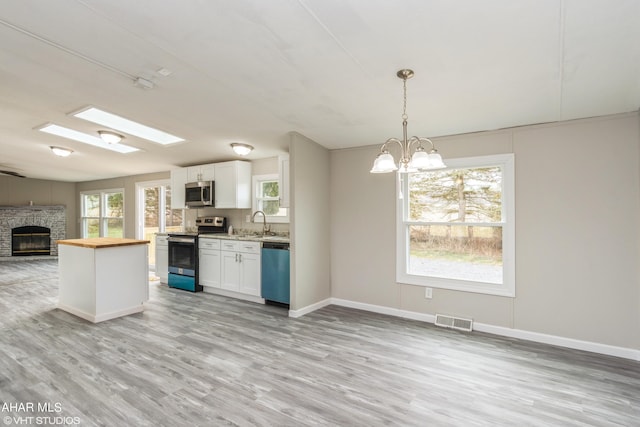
(181, 240)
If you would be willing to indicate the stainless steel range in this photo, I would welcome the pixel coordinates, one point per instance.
(183, 253)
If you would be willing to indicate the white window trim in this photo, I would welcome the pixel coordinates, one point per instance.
(254, 203)
(101, 219)
(140, 186)
(507, 288)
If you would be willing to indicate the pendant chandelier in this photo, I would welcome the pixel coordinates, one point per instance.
(420, 159)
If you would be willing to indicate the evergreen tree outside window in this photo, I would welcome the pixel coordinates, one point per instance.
(102, 213)
(456, 228)
(267, 198)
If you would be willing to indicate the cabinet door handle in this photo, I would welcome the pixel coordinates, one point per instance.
(236, 257)
(240, 257)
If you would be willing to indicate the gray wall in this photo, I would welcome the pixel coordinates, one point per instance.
(577, 229)
(21, 191)
(310, 224)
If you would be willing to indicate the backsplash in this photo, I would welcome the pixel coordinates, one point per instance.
(236, 218)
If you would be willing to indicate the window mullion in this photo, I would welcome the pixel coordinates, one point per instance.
(464, 224)
(102, 225)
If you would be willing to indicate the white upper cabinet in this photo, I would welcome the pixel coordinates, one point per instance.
(233, 185)
(201, 173)
(179, 178)
(283, 184)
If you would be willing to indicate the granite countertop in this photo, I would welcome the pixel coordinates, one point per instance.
(102, 242)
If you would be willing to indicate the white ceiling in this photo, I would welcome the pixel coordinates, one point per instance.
(254, 70)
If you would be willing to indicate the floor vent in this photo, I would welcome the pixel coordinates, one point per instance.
(454, 322)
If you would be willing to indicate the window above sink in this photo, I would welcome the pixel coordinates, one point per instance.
(267, 197)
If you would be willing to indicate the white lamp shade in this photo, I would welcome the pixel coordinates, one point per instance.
(110, 137)
(384, 163)
(435, 161)
(62, 152)
(420, 160)
(241, 149)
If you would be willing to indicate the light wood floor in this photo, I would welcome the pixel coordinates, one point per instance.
(199, 359)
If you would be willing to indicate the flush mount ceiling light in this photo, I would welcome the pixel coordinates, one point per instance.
(241, 149)
(85, 138)
(420, 159)
(60, 151)
(127, 126)
(110, 137)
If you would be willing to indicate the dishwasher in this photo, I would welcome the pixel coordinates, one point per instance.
(275, 272)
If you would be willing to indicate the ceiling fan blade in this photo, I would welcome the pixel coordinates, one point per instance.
(11, 173)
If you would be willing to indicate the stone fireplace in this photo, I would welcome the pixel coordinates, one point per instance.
(31, 230)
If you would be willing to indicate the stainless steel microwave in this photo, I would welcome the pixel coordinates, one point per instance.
(199, 194)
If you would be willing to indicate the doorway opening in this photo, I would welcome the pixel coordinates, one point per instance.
(154, 214)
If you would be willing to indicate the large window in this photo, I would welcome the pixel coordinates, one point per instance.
(266, 191)
(102, 213)
(456, 226)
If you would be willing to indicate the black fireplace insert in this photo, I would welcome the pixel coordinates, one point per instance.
(30, 240)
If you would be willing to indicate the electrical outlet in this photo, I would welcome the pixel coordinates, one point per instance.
(428, 293)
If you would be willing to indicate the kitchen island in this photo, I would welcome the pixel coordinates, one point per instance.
(103, 278)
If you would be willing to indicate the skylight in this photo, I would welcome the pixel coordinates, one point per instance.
(121, 124)
(85, 138)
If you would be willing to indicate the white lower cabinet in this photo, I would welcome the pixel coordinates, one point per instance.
(230, 271)
(232, 266)
(209, 262)
(240, 267)
(162, 257)
(250, 273)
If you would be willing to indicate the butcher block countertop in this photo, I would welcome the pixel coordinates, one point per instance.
(102, 242)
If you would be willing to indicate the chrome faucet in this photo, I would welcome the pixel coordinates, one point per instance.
(265, 229)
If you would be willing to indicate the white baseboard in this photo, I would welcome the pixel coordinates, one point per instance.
(96, 318)
(594, 347)
(423, 317)
(610, 350)
(308, 309)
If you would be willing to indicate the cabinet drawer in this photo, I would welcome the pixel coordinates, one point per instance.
(229, 245)
(162, 240)
(209, 243)
(249, 247)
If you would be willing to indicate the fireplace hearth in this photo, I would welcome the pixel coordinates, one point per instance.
(30, 240)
